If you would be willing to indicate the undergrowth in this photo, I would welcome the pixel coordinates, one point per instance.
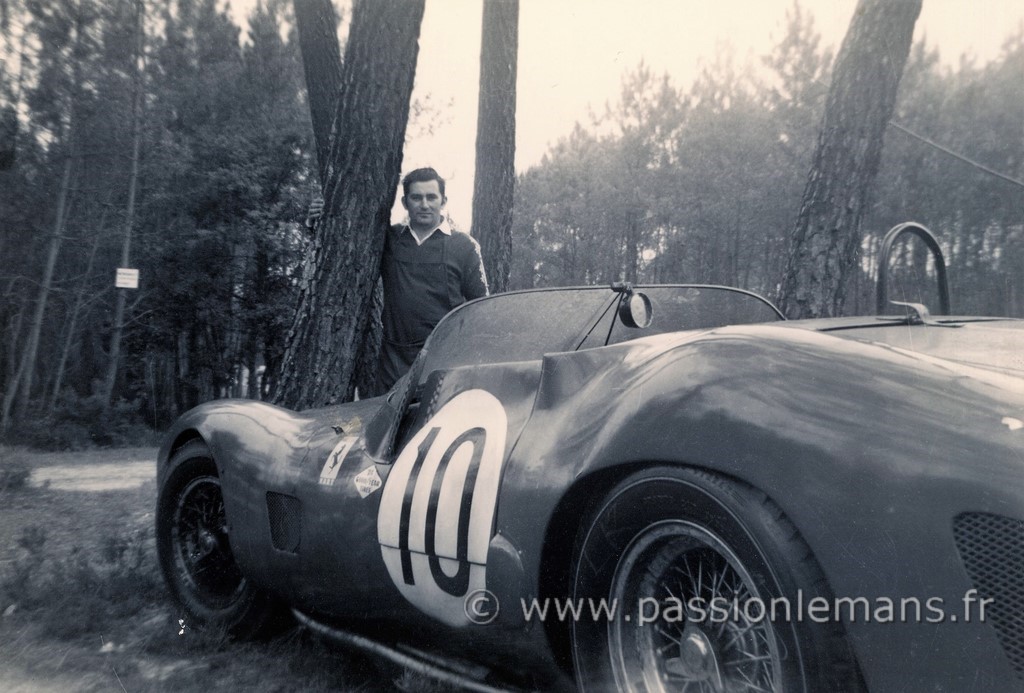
(82, 591)
(14, 476)
(85, 580)
(15, 470)
(82, 422)
(115, 593)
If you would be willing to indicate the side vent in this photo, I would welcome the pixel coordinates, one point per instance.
(992, 550)
(285, 515)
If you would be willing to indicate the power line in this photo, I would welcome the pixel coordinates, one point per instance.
(953, 154)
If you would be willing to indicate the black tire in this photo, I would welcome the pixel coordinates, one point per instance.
(666, 536)
(195, 556)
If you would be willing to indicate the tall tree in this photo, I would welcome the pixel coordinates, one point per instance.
(129, 217)
(494, 181)
(65, 117)
(12, 50)
(826, 238)
(321, 61)
(361, 176)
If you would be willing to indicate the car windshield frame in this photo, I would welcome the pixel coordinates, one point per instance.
(383, 429)
(559, 319)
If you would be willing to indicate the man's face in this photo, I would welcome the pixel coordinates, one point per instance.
(424, 203)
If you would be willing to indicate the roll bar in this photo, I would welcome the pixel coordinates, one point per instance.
(883, 264)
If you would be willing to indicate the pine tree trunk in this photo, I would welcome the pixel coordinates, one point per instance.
(369, 349)
(361, 176)
(321, 58)
(494, 181)
(321, 61)
(72, 326)
(825, 241)
(254, 331)
(19, 391)
(129, 218)
(14, 405)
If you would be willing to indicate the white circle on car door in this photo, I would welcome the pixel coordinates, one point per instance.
(436, 513)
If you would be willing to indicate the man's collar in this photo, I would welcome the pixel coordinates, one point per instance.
(443, 227)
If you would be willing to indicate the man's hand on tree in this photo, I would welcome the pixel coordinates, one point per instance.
(315, 211)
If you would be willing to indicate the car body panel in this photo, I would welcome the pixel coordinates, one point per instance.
(870, 436)
(787, 412)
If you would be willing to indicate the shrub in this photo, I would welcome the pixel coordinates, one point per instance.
(14, 476)
(78, 593)
(78, 423)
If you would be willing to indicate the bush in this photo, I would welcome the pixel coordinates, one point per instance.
(79, 423)
(13, 476)
(78, 593)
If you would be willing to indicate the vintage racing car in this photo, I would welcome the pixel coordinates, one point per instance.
(660, 488)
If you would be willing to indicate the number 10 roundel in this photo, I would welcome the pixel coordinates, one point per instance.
(437, 509)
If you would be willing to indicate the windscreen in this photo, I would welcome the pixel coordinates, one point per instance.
(520, 326)
(525, 325)
(678, 308)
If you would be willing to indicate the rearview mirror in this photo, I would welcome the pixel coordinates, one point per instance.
(635, 309)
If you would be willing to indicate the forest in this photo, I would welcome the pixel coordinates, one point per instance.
(164, 138)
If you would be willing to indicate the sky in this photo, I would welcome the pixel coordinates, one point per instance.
(573, 55)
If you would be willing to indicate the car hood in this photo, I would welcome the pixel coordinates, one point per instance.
(992, 344)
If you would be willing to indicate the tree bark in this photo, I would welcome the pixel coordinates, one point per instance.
(321, 62)
(129, 217)
(825, 241)
(14, 405)
(12, 336)
(368, 357)
(72, 326)
(321, 59)
(494, 181)
(361, 176)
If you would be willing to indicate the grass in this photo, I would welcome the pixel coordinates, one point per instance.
(13, 477)
(15, 469)
(83, 605)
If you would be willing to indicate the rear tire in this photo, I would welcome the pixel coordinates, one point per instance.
(195, 556)
(666, 546)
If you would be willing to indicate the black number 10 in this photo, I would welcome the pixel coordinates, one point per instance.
(458, 584)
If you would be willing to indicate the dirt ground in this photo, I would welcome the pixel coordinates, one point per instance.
(83, 607)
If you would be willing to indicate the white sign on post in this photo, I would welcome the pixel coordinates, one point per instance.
(127, 278)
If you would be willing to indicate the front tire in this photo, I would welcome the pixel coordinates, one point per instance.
(195, 555)
(687, 559)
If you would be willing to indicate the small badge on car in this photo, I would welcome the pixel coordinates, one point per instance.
(367, 481)
(333, 464)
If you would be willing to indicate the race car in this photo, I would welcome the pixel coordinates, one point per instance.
(636, 488)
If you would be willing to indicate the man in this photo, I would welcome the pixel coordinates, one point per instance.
(427, 270)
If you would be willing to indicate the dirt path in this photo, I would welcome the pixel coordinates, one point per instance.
(104, 476)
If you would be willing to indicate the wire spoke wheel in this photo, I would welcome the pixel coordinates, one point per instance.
(194, 549)
(694, 567)
(692, 627)
(202, 553)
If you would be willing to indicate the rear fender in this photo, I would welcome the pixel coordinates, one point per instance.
(850, 439)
